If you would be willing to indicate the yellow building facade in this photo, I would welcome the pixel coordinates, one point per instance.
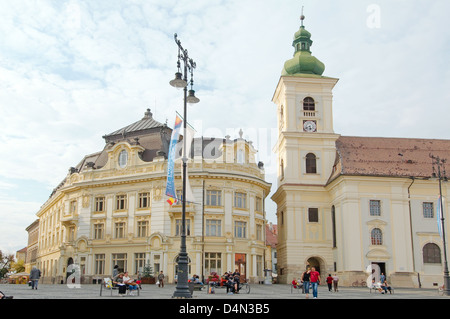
(347, 203)
(111, 209)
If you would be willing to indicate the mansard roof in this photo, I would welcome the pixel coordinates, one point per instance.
(145, 125)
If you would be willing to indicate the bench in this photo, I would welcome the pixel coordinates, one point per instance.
(107, 284)
(375, 289)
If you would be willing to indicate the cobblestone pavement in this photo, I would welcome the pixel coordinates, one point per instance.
(276, 291)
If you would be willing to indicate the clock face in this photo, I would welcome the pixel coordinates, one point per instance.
(309, 126)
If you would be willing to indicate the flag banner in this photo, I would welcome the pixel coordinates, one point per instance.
(189, 137)
(439, 215)
(170, 186)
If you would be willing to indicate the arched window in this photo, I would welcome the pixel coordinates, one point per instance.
(309, 104)
(282, 169)
(311, 163)
(431, 254)
(376, 236)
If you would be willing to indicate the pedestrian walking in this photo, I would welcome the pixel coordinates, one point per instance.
(330, 282)
(161, 279)
(335, 283)
(306, 282)
(315, 281)
(35, 274)
(115, 271)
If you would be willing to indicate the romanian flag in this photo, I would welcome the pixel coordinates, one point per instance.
(171, 201)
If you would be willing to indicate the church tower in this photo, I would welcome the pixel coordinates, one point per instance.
(306, 152)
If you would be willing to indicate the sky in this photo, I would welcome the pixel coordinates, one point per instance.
(73, 71)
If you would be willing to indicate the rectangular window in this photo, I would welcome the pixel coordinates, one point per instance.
(258, 204)
(259, 266)
(178, 226)
(213, 227)
(240, 229)
(99, 264)
(259, 232)
(213, 263)
(144, 200)
(428, 211)
(213, 198)
(139, 262)
(240, 200)
(99, 204)
(313, 215)
(73, 207)
(142, 228)
(119, 230)
(98, 231)
(121, 202)
(121, 261)
(375, 208)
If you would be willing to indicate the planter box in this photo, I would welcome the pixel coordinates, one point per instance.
(148, 280)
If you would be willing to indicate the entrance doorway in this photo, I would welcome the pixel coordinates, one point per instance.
(378, 269)
(314, 262)
(240, 264)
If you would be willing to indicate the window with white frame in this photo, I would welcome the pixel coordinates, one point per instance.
(428, 211)
(240, 229)
(375, 208)
(213, 227)
(99, 264)
(99, 204)
(214, 198)
(121, 202)
(213, 263)
(179, 225)
(142, 228)
(119, 230)
(240, 200)
(99, 230)
(144, 200)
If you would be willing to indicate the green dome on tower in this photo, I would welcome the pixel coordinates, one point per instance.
(303, 62)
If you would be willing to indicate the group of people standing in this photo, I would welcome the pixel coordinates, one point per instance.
(310, 279)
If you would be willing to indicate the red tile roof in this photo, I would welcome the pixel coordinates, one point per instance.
(271, 235)
(380, 156)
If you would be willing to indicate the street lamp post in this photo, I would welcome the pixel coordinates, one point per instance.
(439, 164)
(181, 81)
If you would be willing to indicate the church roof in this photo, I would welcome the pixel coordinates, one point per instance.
(385, 156)
(303, 62)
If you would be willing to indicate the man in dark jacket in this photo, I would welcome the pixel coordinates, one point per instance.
(35, 274)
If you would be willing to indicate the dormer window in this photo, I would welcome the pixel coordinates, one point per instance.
(123, 158)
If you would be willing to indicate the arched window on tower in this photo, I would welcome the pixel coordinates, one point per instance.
(311, 163)
(431, 254)
(376, 236)
(309, 104)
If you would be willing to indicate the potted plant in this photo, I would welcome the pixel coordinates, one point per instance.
(147, 275)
